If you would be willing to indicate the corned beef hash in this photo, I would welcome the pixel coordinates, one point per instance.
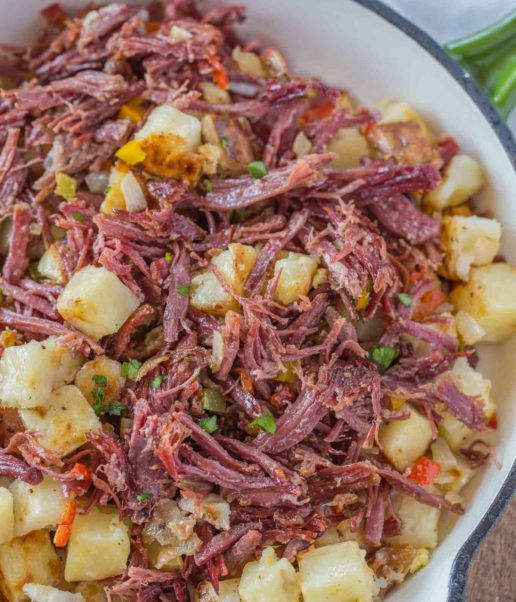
(237, 317)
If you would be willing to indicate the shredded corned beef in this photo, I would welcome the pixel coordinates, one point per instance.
(248, 387)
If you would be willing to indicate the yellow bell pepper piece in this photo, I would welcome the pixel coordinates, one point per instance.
(131, 153)
(363, 300)
(65, 186)
(288, 375)
(132, 112)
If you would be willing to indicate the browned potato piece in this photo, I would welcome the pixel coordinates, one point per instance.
(404, 142)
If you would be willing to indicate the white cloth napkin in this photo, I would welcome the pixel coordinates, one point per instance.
(446, 20)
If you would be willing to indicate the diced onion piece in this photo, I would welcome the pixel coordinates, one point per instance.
(404, 441)
(297, 271)
(36, 506)
(27, 559)
(96, 302)
(462, 178)
(469, 241)
(62, 423)
(228, 592)
(469, 329)
(489, 297)
(301, 145)
(213, 509)
(419, 523)
(217, 351)
(97, 181)
(179, 34)
(269, 579)
(6, 515)
(46, 593)
(249, 62)
(133, 194)
(29, 372)
(213, 94)
(336, 573)
(99, 546)
(114, 198)
(350, 146)
(166, 119)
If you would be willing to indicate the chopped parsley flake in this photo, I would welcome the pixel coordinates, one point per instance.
(168, 257)
(209, 424)
(257, 169)
(265, 422)
(144, 496)
(224, 141)
(383, 356)
(183, 289)
(100, 380)
(130, 369)
(107, 189)
(208, 186)
(78, 216)
(405, 299)
(158, 381)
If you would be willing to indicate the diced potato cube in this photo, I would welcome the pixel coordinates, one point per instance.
(28, 559)
(297, 271)
(51, 265)
(28, 373)
(98, 548)
(336, 573)
(269, 579)
(228, 592)
(166, 119)
(62, 423)
(350, 146)
(96, 302)
(394, 111)
(469, 329)
(404, 441)
(469, 241)
(249, 62)
(36, 506)
(419, 523)
(455, 471)
(470, 382)
(101, 366)
(47, 593)
(489, 297)
(463, 177)
(235, 265)
(6, 515)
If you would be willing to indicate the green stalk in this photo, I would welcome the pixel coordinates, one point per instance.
(486, 39)
(489, 56)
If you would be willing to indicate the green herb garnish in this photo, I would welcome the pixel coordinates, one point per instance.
(107, 189)
(183, 289)
(78, 216)
(265, 422)
(257, 169)
(158, 381)
(144, 496)
(209, 424)
(208, 186)
(405, 299)
(224, 141)
(168, 257)
(130, 369)
(100, 380)
(383, 356)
